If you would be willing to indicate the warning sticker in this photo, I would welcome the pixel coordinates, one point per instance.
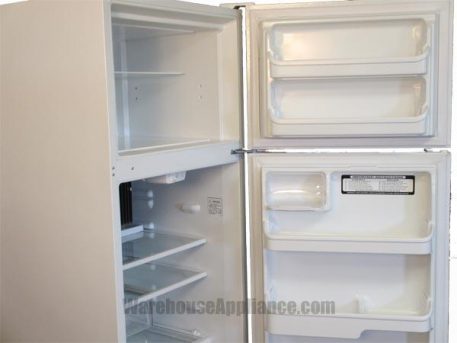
(378, 184)
(215, 206)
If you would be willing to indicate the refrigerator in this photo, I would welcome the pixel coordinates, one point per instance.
(264, 173)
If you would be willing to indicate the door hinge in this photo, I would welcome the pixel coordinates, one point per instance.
(248, 151)
(237, 5)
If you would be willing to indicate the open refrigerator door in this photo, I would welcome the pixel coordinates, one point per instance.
(356, 243)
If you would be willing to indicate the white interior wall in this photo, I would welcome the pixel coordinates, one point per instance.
(181, 106)
(222, 257)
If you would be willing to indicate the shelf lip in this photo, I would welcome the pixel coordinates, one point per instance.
(367, 316)
(198, 275)
(163, 147)
(181, 248)
(295, 208)
(348, 120)
(146, 74)
(193, 9)
(348, 239)
(349, 68)
(419, 246)
(350, 61)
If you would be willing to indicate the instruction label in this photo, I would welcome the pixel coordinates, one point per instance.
(378, 184)
(215, 206)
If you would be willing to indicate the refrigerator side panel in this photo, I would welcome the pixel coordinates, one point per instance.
(57, 246)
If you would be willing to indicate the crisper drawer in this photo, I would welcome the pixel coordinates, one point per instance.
(349, 70)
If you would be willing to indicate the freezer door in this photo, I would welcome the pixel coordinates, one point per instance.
(349, 74)
(350, 247)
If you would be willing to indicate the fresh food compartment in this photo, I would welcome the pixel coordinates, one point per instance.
(368, 292)
(168, 94)
(174, 233)
(369, 211)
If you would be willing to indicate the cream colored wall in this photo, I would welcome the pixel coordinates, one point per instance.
(1, 111)
(57, 264)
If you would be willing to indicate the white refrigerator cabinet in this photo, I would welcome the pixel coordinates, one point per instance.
(163, 152)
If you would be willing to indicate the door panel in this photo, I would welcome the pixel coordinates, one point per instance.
(359, 73)
(351, 242)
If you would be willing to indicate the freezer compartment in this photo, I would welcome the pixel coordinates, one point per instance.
(168, 94)
(376, 222)
(366, 337)
(366, 291)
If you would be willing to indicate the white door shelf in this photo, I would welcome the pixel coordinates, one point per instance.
(380, 245)
(348, 68)
(361, 292)
(157, 333)
(366, 337)
(152, 280)
(307, 210)
(151, 245)
(345, 326)
(349, 47)
(368, 106)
